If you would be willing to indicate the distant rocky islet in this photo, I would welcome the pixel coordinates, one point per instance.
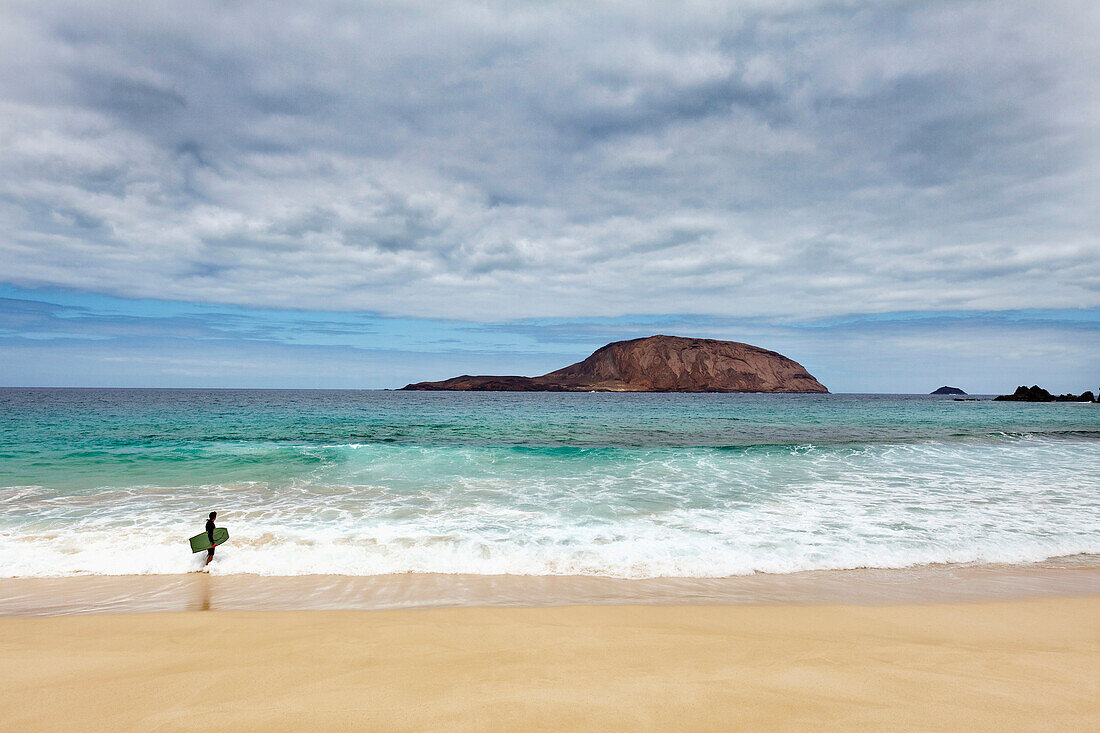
(1035, 393)
(657, 364)
(681, 364)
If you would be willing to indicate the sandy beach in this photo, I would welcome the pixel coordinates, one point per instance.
(1012, 665)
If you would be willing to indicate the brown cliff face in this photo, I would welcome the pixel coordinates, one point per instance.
(657, 364)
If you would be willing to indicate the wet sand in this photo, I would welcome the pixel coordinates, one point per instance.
(1018, 665)
(1061, 577)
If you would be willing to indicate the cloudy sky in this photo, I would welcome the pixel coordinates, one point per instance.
(897, 195)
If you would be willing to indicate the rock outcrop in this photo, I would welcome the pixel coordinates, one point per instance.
(657, 364)
(948, 390)
(1035, 393)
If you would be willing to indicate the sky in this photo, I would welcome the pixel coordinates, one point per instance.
(898, 195)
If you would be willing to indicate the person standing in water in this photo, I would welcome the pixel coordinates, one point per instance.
(210, 535)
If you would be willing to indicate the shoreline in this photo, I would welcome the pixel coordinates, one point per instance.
(1073, 577)
(1012, 665)
(941, 647)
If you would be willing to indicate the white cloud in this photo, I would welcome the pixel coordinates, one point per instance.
(500, 161)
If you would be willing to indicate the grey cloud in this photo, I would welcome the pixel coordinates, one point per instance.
(143, 102)
(497, 160)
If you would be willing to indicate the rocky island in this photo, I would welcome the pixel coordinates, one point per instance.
(1035, 393)
(657, 364)
(948, 390)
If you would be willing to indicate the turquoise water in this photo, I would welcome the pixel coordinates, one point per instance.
(630, 485)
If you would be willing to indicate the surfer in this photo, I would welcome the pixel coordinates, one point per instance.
(210, 534)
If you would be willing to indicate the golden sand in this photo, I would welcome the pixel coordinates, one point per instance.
(1019, 665)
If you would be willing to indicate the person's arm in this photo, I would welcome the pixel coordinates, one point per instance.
(210, 531)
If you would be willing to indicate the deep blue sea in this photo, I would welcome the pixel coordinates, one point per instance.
(629, 485)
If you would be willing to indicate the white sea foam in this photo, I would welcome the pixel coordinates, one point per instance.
(624, 513)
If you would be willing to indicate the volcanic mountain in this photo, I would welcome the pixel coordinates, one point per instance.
(657, 364)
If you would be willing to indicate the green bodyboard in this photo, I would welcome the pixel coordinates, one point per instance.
(201, 542)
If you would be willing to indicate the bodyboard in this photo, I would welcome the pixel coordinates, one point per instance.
(201, 542)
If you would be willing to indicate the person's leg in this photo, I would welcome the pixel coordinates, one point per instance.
(209, 555)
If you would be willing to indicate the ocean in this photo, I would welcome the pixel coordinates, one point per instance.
(114, 481)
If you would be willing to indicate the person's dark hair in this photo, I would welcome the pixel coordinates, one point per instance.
(213, 515)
